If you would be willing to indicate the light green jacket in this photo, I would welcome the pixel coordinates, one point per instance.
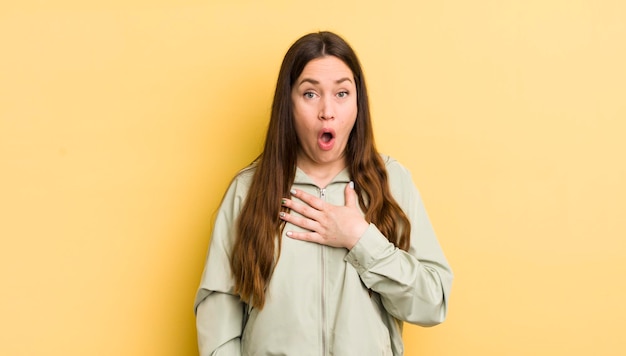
(323, 300)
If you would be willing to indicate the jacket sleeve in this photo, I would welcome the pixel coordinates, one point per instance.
(414, 286)
(219, 311)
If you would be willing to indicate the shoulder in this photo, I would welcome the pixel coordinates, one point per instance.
(244, 176)
(400, 180)
(395, 170)
(238, 188)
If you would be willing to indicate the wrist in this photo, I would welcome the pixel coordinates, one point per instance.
(359, 230)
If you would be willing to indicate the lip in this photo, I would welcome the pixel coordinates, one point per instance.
(326, 145)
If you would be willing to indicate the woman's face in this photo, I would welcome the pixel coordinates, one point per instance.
(325, 108)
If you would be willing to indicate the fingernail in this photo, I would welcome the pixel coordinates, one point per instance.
(282, 214)
(351, 184)
(289, 233)
(293, 191)
(283, 201)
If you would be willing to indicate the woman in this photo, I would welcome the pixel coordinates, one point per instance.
(321, 246)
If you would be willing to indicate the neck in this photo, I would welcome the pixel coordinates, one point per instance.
(321, 173)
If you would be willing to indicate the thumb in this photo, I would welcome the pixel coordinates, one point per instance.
(350, 195)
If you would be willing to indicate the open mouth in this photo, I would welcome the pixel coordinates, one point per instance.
(326, 139)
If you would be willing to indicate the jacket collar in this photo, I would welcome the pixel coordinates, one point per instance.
(302, 178)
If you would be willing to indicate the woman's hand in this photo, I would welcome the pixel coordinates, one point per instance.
(332, 225)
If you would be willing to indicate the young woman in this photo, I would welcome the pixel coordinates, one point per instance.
(322, 246)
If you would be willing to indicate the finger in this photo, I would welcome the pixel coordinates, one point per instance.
(350, 195)
(302, 209)
(310, 199)
(300, 221)
(304, 236)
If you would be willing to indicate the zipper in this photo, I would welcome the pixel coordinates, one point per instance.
(323, 299)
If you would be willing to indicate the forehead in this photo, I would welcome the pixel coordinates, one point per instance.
(329, 67)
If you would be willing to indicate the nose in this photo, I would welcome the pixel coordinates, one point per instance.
(326, 110)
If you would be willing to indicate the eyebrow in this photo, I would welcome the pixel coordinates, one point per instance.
(316, 82)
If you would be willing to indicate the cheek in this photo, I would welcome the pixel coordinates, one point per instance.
(304, 118)
(300, 113)
(301, 127)
(350, 114)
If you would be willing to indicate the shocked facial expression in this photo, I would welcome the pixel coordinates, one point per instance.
(325, 108)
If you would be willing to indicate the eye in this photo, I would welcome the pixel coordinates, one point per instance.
(309, 95)
(342, 94)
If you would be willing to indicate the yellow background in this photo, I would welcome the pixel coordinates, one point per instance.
(122, 122)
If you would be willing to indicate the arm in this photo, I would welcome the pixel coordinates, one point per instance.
(219, 312)
(215, 337)
(414, 286)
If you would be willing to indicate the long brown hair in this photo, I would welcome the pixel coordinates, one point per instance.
(258, 228)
